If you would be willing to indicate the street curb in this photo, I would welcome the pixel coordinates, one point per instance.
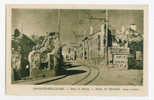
(41, 81)
(49, 80)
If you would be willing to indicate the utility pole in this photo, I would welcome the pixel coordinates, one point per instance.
(59, 24)
(106, 14)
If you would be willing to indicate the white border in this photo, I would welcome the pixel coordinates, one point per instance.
(2, 48)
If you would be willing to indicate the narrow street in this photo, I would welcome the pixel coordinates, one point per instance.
(77, 75)
(93, 55)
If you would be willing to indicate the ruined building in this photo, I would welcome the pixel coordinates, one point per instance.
(21, 46)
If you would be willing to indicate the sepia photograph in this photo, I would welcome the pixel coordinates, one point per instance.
(76, 46)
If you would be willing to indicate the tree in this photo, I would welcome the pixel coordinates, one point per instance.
(16, 32)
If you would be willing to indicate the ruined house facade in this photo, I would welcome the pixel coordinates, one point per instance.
(21, 45)
(97, 48)
(94, 46)
(33, 60)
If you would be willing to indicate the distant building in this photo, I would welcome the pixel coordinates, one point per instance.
(70, 52)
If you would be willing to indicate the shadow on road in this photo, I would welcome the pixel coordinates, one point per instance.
(74, 72)
(66, 72)
(71, 65)
(69, 72)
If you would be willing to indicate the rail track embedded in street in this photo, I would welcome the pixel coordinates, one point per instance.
(90, 81)
(83, 77)
(89, 73)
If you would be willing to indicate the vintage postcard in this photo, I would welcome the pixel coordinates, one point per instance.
(77, 50)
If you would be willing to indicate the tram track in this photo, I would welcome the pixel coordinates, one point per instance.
(98, 73)
(88, 76)
(83, 77)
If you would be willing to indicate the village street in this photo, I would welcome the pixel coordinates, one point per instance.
(95, 54)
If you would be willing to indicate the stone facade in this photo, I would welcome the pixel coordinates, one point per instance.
(93, 46)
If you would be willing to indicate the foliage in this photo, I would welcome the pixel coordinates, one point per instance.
(135, 46)
(16, 33)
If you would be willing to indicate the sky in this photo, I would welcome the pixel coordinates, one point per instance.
(40, 21)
